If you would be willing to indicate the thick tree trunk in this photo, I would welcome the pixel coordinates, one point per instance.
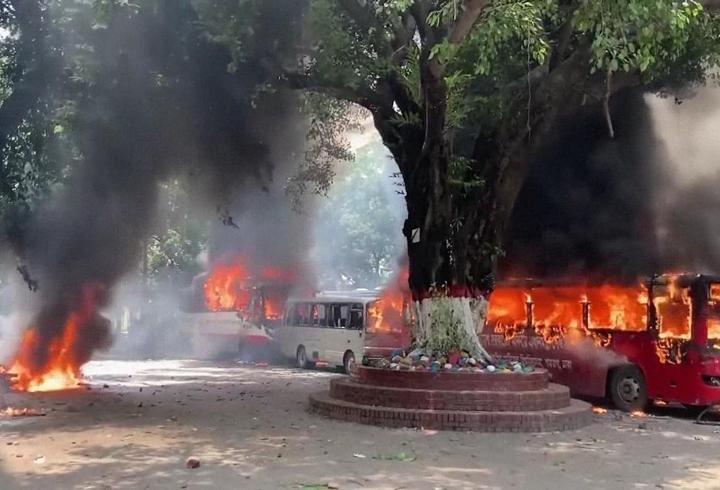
(450, 267)
(451, 244)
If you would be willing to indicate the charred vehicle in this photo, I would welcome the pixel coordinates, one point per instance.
(655, 341)
(229, 313)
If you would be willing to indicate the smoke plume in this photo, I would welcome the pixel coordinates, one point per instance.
(156, 109)
(639, 204)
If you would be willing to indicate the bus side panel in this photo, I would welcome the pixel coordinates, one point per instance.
(580, 369)
(337, 341)
(284, 336)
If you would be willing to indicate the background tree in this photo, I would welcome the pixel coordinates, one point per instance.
(462, 92)
(179, 237)
(356, 240)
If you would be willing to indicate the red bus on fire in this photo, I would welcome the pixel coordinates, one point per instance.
(655, 341)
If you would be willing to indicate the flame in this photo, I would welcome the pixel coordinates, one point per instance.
(674, 311)
(390, 312)
(568, 312)
(638, 413)
(273, 309)
(599, 410)
(225, 288)
(60, 369)
(20, 412)
(669, 350)
(230, 287)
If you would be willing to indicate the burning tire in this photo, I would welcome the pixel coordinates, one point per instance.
(349, 362)
(627, 388)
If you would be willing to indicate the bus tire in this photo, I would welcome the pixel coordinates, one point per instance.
(301, 360)
(349, 362)
(627, 388)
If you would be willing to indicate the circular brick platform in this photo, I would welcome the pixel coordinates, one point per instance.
(487, 402)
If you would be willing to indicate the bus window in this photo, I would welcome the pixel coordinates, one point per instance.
(672, 311)
(293, 314)
(713, 317)
(301, 315)
(339, 316)
(356, 317)
(319, 315)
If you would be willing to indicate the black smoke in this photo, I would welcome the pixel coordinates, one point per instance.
(642, 203)
(587, 207)
(161, 102)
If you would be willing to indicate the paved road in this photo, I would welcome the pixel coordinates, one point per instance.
(248, 426)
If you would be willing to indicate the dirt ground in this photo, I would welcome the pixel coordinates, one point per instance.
(250, 429)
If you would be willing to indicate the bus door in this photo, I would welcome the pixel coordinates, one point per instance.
(345, 331)
(672, 315)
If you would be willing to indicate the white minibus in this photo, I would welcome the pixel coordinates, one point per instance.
(327, 329)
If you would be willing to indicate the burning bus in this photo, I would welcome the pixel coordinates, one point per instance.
(655, 341)
(230, 310)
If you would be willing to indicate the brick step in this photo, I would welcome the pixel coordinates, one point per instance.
(350, 390)
(448, 381)
(577, 414)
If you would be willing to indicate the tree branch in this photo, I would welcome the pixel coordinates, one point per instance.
(606, 105)
(363, 97)
(565, 35)
(471, 11)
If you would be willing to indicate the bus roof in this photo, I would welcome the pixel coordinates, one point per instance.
(334, 299)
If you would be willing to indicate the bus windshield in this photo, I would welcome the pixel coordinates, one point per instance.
(713, 317)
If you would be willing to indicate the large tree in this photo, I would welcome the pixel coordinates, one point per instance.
(462, 92)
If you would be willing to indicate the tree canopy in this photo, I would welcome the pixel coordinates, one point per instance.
(462, 93)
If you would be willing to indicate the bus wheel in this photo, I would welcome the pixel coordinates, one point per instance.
(627, 389)
(301, 358)
(349, 362)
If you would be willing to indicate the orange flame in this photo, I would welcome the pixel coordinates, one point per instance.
(568, 311)
(273, 309)
(388, 313)
(674, 311)
(225, 288)
(20, 412)
(60, 369)
(230, 287)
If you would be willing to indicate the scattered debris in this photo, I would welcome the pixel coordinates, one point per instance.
(454, 361)
(401, 456)
(358, 455)
(192, 463)
(21, 412)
